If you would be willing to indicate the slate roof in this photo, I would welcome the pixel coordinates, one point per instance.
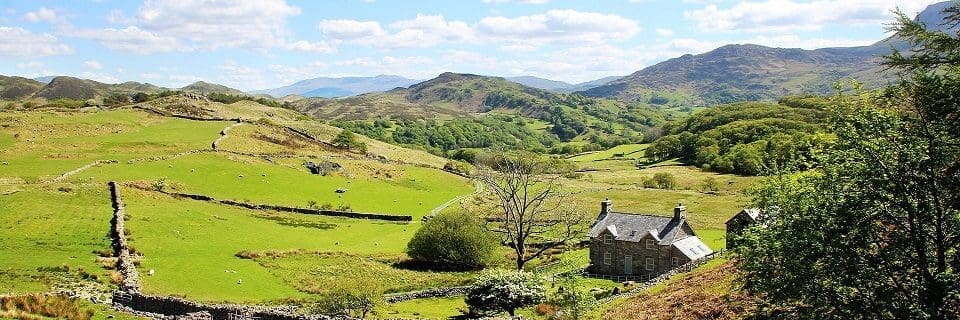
(750, 213)
(634, 227)
(693, 248)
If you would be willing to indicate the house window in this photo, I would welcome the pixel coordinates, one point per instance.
(649, 264)
(607, 239)
(607, 258)
(675, 261)
(650, 244)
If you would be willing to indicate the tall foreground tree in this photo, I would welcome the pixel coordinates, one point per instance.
(874, 233)
(531, 214)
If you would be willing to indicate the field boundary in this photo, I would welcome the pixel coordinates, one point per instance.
(310, 211)
(128, 297)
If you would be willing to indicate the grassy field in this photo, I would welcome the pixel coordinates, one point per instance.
(397, 189)
(177, 235)
(50, 144)
(627, 151)
(50, 227)
(318, 272)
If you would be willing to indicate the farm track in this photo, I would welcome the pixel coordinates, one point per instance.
(435, 211)
(223, 135)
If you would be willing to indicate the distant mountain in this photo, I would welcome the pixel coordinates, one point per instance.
(15, 88)
(44, 80)
(559, 86)
(447, 95)
(540, 83)
(753, 72)
(208, 88)
(339, 87)
(72, 88)
(591, 84)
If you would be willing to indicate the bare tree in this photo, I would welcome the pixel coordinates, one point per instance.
(532, 212)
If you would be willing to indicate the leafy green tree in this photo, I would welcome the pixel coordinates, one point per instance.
(346, 139)
(355, 298)
(874, 232)
(454, 239)
(497, 291)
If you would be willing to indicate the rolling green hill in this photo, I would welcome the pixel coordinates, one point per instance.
(455, 111)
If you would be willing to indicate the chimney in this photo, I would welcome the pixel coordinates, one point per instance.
(679, 212)
(606, 207)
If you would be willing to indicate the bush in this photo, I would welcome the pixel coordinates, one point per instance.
(458, 167)
(453, 239)
(665, 180)
(356, 298)
(504, 291)
(710, 184)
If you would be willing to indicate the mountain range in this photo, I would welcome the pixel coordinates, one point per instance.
(752, 72)
(338, 87)
(560, 86)
(19, 88)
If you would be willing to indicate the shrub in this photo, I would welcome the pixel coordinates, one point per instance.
(453, 239)
(665, 180)
(504, 291)
(458, 167)
(356, 298)
(710, 184)
(159, 184)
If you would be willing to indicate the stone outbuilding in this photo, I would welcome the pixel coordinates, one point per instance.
(739, 222)
(642, 245)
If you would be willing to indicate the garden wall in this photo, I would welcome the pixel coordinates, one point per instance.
(322, 212)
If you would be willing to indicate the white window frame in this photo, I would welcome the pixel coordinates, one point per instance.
(650, 244)
(675, 261)
(607, 258)
(607, 238)
(649, 264)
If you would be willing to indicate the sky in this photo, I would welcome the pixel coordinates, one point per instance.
(259, 44)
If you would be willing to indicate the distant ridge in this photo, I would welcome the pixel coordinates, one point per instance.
(739, 72)
(324, 87)
(559, 86)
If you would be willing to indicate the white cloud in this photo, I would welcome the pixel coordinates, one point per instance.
(558, 26)
(42, 15)
(517, 1)
(100, 77)
(219, 23)
(409, 66)
(19, 42)
(307, 46)
(130, 39)
(791, 15)
(92, 64)
(419, 32)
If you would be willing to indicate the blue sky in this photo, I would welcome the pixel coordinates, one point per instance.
(257, 44)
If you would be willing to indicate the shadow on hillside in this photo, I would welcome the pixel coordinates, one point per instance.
(295, 222)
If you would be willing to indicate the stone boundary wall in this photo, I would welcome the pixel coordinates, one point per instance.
(129, 298)
(663, 277)
(81, 169)
(331, 213)
(131, 279)
(429, 293)
(310, 137)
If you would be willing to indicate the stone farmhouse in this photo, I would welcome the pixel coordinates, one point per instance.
(625, 244)
(742, 220)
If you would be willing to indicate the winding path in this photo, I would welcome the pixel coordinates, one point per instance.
(479, 188)
(223, 135)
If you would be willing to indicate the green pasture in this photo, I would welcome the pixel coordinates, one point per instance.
(49, 227)
(626, 151)
(191, 245)
(318, 272)
(50, 144)
(412, 190)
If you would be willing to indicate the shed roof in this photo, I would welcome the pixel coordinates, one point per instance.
(751, 214)
(692, 247)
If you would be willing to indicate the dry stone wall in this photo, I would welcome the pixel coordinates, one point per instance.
(129, 298)
(331, 213)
